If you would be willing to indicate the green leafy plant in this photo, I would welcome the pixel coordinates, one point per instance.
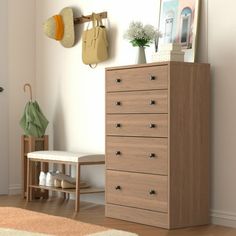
(141, 35)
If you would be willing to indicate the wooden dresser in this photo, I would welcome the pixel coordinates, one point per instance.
(157, 144)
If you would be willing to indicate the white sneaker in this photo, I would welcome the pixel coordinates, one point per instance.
(42, 179)
(49, 180)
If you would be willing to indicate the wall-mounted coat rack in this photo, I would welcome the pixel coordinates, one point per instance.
(83, 19)
(60, 27)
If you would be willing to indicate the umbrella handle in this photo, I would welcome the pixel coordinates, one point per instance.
(30, 89)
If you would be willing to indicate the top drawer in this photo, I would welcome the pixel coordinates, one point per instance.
(144, 78)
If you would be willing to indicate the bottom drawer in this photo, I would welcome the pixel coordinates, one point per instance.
(144, 191)
(137, 215)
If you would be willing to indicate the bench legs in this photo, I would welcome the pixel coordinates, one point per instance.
(32, 179)
(77, 190)
(44, 166)
(29, 181)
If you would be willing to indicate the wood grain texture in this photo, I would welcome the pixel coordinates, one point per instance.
(189, 144)
(153, 218)
(145, 155)
(134, 66)
(30, 144)
(69, 190)
(154, 101)
(135, 190)
(77, 190)
(137, 78)
(84, 19)
(23, 167)
(138, 125)
(185, 126)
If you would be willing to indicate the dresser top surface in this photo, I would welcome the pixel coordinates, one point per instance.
(155, 64)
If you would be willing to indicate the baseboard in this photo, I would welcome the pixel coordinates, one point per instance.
(15, 189)
(223, 218)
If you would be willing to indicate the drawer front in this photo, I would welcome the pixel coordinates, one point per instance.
(146, 155)
(137, 190)
(144, 78)
(153, 218)
(148, 125)
(137, 102)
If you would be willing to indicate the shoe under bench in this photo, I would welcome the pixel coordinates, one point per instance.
(64, 158)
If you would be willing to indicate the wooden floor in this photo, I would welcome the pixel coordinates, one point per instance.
(94, 214)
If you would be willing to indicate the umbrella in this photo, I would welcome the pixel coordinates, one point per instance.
(33, 121)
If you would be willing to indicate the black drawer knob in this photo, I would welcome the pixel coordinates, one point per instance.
(152, 155)
(152, 77)
(151, 126)
(152, 102)
(152, 192)
(118, 81)
(118, 187)
(118, 103)
(118, 153)
(1, 89)
(118, 125)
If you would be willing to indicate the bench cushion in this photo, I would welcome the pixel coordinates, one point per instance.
(58, 156)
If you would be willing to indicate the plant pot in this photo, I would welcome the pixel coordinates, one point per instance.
(141, 57)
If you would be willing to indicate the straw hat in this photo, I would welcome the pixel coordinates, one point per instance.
(61, 27)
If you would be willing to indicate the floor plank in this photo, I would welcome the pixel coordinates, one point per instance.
(94, 214)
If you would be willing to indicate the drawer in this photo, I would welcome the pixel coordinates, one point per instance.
(143, 78)
(153, 218)
(148, 125)
(146, 155)
(137, 102)
(137, 190)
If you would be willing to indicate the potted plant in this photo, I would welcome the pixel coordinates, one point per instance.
(141, 36)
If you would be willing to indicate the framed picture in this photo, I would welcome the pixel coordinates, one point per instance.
(178, 24)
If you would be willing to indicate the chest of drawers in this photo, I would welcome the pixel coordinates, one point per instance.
(157, 144)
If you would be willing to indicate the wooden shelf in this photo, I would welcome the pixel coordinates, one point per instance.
(82, 191)
(83, 19)
(31, 144)
(33, 184)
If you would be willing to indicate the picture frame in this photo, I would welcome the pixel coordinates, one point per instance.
(178, 23)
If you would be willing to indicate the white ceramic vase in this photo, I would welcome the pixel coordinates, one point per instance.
(141, 57)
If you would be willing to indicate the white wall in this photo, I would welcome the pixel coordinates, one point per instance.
(21, 70)
(222, 56)
(3, 100)
(71, 94)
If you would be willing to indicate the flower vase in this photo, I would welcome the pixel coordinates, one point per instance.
(141, 57)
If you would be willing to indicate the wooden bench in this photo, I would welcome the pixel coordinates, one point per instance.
(65, 158)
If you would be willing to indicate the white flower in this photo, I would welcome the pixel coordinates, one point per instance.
(140, 35)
